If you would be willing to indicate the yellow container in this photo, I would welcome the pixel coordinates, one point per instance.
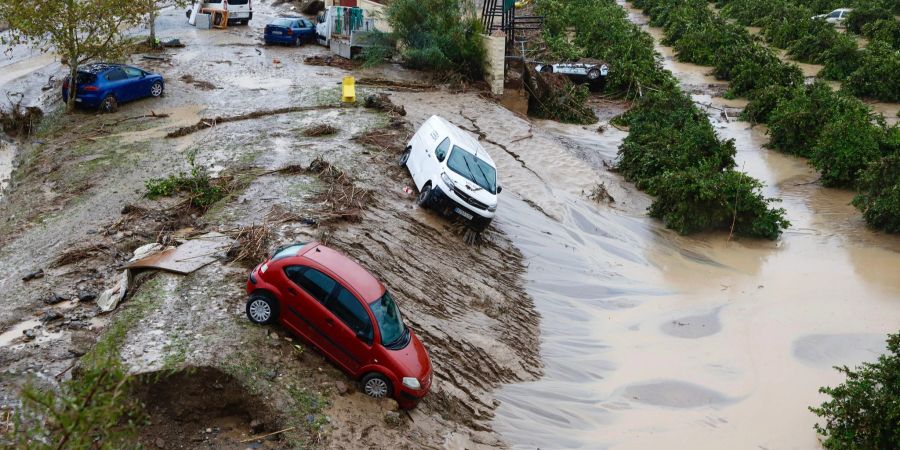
(349, 91)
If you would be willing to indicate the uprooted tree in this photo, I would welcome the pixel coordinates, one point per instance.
(77, 30)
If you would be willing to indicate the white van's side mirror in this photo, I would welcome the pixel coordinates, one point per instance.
(499, 188)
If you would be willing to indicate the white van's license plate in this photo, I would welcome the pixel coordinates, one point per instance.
(463, 213)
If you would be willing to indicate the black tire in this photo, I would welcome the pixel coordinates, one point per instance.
(262, 309)
(157, 89)
(404, 157)
(245, 21)
(424, 199)
(297, 41)
(187, 14)
(376, 385)
(109, 104)
(593, 74)
(547, 69)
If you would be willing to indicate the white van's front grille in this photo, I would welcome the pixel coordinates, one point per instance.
(468, 198)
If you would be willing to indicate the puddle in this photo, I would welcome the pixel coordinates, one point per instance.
(673, 394)
(10, 336)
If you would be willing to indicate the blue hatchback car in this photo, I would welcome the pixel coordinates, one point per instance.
(105, 86)
(290, 30)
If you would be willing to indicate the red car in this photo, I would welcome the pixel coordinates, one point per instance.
(338, 306)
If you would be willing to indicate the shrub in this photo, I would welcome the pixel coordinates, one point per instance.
(439, 35)
(787, 25)
(887, 30)
(751, 12)
(763, 102)
(695, 200)
(795, 123)
(198, 185)
(865, 13)
(864, 411)
(753, 67)
(844, 147)
(819, 38)
(879, 194)
(841, 59)
(878, 75)
(667, 133)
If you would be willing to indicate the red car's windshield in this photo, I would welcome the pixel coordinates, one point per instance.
(387, 315)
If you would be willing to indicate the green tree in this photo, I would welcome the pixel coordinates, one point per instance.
(77, 30)
(864, 411)
(153, 8)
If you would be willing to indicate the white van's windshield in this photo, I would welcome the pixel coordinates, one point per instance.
(473, 169)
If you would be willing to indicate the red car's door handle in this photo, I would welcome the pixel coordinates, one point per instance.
(291, 291)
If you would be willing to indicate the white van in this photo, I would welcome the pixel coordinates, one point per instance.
(239, 11)
(453, 172)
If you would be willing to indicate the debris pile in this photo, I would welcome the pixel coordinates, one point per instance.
(331, 61)
(383, 103)
(19, 121)
(553, 96)
(322, 129)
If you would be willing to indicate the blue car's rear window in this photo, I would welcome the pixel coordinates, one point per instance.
(282, 22)
(85, 78)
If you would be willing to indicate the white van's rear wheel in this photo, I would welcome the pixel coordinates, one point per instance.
(404, 157)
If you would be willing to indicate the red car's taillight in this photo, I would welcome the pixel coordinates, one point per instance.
(91, 88)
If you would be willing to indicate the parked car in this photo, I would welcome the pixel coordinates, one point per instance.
(453, 172)
(239, 11)
(290, 30)
(106, 86)
(585, 70)
(837, 16)
(331, 301)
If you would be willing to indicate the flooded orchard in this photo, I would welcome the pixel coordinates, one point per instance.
(653, 340)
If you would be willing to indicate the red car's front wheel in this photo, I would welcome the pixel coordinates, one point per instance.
(377, 385)
(262, 309)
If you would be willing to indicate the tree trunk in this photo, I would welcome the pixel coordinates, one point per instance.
(73, 78)
(151, 19)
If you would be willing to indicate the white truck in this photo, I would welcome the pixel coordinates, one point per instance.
(345, 30)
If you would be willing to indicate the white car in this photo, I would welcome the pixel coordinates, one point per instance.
(592, 71)
(837, 16)
(452, 172)
(239, 11)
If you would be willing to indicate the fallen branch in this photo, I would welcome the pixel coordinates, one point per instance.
(266, 435)
(209, 123)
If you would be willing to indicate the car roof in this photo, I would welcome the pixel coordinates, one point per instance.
(460, 138)
(96, 68)
(353, 274)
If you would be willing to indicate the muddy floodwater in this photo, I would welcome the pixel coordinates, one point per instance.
(653, 340)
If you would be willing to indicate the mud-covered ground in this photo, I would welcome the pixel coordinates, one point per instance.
(76, 209)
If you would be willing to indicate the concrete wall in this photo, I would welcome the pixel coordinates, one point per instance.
(496, 55)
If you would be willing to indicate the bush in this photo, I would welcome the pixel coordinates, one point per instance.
(763, 102)
(841, 59)
(844, 147)
(879, 194)
(668, 133)
(201, 190)
(695, 200)
(887, 30)
(878, 75)
(819, 38)
(438, 35)
(864, 411)
(796, 122)
(865, 13)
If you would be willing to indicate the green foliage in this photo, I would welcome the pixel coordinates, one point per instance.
(878, 75)
(796, 122)
(886, 30)
(439, 35)
(879, 195)
(842, 59)
(820, 38)
(202, 192)
(379, 47)
(78, 31)
(667, 133)
(92, 410)
(696, 200)
(865, 13)
(864, 411)
(763, 102)
(564, 102)
(844, 147)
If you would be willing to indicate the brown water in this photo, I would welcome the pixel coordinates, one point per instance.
(653, 340)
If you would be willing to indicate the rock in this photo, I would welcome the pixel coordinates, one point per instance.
(257, 426)
(34, 275)
(54, 299)
(389, 404)
(209, 430)
(160, 443)
(392, 418)
(51, 315)
(87, 297)
(341, 387)
(30, 334)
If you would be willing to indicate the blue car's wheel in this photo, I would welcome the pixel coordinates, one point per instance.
(297, 41)
(157, 89)
(109, 104)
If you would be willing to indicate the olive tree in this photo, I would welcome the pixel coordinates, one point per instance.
(77, 30)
